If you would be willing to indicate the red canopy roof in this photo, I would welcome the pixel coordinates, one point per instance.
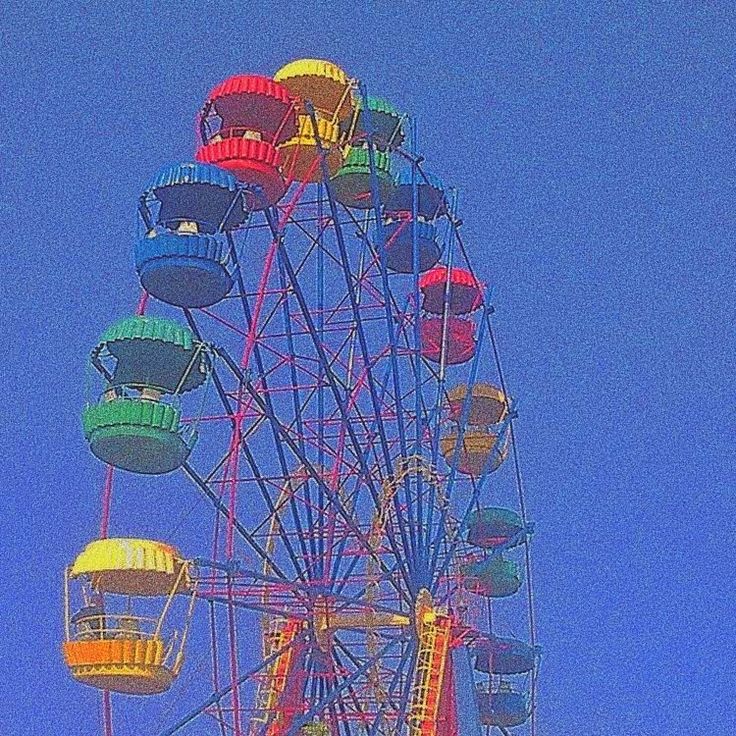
(251, 102)
(465, 294)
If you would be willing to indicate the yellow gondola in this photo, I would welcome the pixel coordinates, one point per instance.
(329, 89)
(115, 647)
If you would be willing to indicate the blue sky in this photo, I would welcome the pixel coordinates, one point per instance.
(593, 147)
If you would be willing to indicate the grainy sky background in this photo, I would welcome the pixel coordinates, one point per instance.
(594, 147)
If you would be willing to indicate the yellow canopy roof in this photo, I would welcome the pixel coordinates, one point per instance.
(488, 405)
(485, 390)
(325, 84)
(131, 566)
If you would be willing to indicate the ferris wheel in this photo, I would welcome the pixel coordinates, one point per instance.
(313, 357)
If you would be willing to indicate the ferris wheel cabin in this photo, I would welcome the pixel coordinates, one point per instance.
(147, 364)
(117, 639)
